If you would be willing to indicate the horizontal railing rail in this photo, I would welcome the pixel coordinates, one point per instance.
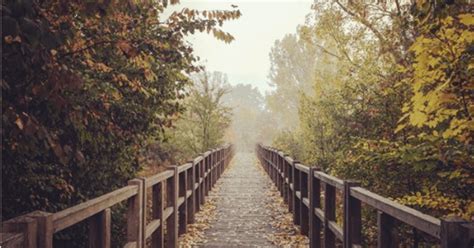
(301, 187)
(176, 194)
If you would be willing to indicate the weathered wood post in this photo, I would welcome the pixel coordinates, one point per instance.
(291, 182)
(45, 229)
(329, 214)
(99, 229)
(211, 170)
(304, 215)
(281, 177)
(26, 225)
(385, 225)
(135, 214)
(172, 201)
(296, 189)
(352, 216)
(314, 202)
(285, 176)
(182, 209)
(158, 204)
(197, 176)
(191, 200)
(207, 174)
(202, 179)
(456, 232)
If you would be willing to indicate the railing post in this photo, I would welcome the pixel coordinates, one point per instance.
(329, 215)
(26, 225)
(291, 181)
(197, 196)
(99, 229)
(211, 170)
(45, 229)
(172, 200)
(182, 210)
(202, 186)
(385, 226)
(456, 232)
(296, 200)
(314, 202)
(285, 176)
(352, 216)
(158, 204)
(208, 175)
(135, 214)
(304, 216)
(280, 173)
(191, 200)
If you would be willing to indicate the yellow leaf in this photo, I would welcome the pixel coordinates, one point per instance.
(466, 19)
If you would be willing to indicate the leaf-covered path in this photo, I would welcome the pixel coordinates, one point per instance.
(244, 210)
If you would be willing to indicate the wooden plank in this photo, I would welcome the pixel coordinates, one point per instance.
(130, 245)
(306, 201)
(25, 225)
(297, 195)
(152, 227)
(12, 240)
(336, 230)
(197, 159)
(190, 193)
(456, 232)
(319, 213)
(99, 229)
(172, 190)
(352, 216)
(184, 167)
(304, 213)
(315, 224)
(134, 213)
(182, 203)
(160, 177)
(410, 216)
(330, 215)
(45, 229)
(301, 167)
(385, 225)
(328, 179)
(289, 159)
(78, 213)
(158, 216)
(167, 212)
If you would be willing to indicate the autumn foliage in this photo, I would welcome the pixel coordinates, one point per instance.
(85, 86)
(386, 98)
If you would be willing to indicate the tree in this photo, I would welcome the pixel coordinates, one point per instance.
(391, 105)
(85, 86)
(204, 123)
(247, 105)
(291, 73)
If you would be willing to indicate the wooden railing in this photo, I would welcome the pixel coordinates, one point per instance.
(176, 193)
(301, 187)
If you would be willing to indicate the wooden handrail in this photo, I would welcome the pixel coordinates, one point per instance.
(183, 187)
(300, 186)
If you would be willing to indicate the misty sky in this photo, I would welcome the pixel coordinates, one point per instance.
(246, 59)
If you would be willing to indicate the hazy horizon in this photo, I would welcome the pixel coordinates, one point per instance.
(246, 59)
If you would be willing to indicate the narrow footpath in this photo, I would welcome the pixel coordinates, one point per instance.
(242, 216)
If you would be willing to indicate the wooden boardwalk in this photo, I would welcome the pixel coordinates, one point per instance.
(244, 198)
(243, 220)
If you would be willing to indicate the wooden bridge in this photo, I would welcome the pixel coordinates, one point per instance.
(179, 192)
